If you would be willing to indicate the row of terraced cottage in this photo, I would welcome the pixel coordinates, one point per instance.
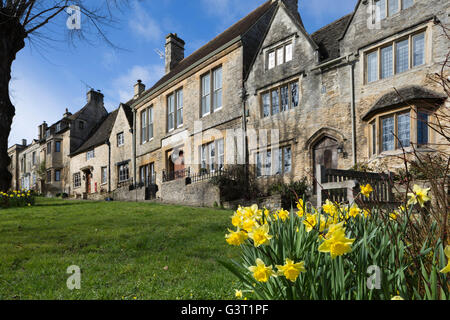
(337, 97)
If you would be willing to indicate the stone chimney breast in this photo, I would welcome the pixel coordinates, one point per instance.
(95, 97)
(139, 89)
(174, 51)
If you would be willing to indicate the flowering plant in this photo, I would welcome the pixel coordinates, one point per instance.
(21, 198)
(334, 252)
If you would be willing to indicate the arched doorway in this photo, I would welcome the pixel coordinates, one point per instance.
(325, 153)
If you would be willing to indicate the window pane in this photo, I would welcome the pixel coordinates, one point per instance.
(287, 160)
(266, 104)
(203, 156)
(212, 156)
(393, 7)
(372, 67)
(144, 126)
(403, 130)
(258, 165)
(284, 98)
(289, 52)
(407, 3)
(278, 156)
(150, 123)
(387, 68)
(422, 128)
(206, 92)
(179, 108)
(271, 63)
(217, 103)
(171, 112)
(419, 49)
(268, 164)
(220, 154)
(280, 56)
(374, 138)
(388, 134)
(402, 56)
(380, 12)
(295, 94)
(275, 102)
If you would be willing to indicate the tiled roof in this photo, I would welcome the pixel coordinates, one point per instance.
(100, 134)
(403, 96)
(327, 38)
(238, 29)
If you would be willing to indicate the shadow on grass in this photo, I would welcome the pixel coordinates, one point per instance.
(61, 204)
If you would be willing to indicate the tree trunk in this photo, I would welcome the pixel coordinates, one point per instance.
(12, 40)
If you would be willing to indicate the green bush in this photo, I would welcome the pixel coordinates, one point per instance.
(290, 192)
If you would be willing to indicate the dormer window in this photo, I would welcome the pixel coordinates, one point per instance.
(81, 125)
(388, 8)
(279, 55)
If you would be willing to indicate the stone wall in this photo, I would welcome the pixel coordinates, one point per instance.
(201, 194)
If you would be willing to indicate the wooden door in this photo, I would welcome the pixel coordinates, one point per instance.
(88, 182)
(325, 153)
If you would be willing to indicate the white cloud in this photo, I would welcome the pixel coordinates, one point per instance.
(123, 86)
(143, 25)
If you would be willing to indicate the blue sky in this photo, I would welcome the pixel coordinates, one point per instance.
(48, 77)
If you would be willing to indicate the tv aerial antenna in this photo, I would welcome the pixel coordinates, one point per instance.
(160, 54)
(87, 86)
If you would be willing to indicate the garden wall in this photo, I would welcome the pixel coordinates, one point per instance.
(200, 194)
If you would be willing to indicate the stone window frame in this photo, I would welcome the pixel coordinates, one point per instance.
(278, 89)
(104, 175)
(148, 128)
(123, 171)
(212, 91)
(90, 154)
(175, 95)
(150, 169)
(275, 49)
(57, 149)
(49, 148)
(273, 155)
(49, 176)
(120, 139)
(58, 175)
(393, 42)
(219, 158)
(413, 129)
(77, 180)
(400, 5)
(33, 158)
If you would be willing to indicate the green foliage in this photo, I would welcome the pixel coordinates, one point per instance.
(290, 192)
(15, 199)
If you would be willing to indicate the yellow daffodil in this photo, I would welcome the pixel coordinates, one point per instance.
(329, 208)
(397, 298)
(366, 190)
(238, 294)
(301, 208)
(260, 272)
(337, 244)
(236, 220)
(291, 270)
(249, 224)
(366, 213)
(283, 215)
(354, 211)
(260, 235)
(447, 254)
(236, 238)
(419, 195)
(310, 222)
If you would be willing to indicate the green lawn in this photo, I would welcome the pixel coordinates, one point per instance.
(121, 248)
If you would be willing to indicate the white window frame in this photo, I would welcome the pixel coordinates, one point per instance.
(104, 175)
(120, 139)
(279, 54)
(77, 180)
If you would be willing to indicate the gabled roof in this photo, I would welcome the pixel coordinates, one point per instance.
(403, 96)
(237, 30)
(327, 38)
(100, 134)
(128, 114)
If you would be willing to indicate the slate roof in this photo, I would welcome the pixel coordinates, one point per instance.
(327, 38)
(238, 29)
(100, 134)
(403, 96)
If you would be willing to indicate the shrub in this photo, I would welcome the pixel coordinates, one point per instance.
(14, 199)
(330, 253)
(290, 192)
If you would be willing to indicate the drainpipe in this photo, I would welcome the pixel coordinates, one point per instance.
(353, 111)
(244, 128)
(109, 166)
(134, 146)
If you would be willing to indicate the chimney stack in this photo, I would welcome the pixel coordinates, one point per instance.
(95, 97)
(42, 128)
(139, 89)
(67, 113)
(24, 142)
(174, 51)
